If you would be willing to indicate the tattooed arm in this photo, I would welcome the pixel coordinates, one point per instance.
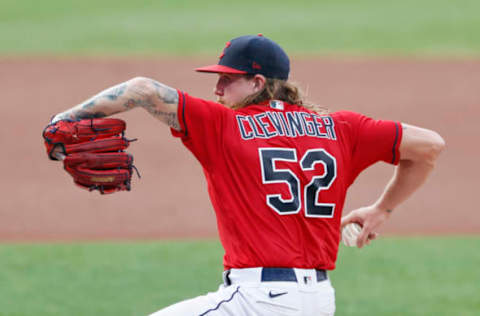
(158, 99)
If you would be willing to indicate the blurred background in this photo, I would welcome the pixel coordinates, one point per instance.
(65, 250)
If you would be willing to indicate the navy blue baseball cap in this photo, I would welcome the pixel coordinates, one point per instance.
(252, 54)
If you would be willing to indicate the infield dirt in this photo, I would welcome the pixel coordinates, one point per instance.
(40, 202)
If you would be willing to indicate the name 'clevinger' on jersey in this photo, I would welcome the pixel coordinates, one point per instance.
(277, 175)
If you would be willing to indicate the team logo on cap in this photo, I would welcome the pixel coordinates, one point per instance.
(227, 45)
(256, 66)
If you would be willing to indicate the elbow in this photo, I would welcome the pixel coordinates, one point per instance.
(421, 145)
(435, 147)
(438, 144)
(142, 86)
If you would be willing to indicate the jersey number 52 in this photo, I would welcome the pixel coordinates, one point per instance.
(271, 174)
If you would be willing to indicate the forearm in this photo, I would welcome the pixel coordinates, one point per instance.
(159, 100)
(408, 177)
(419, 151)
(108, 102)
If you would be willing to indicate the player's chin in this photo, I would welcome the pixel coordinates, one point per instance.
(225, 103)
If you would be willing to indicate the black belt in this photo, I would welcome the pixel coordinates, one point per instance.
(281, 275)
(287, 275)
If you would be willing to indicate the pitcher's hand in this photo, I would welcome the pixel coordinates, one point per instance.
(370, 218)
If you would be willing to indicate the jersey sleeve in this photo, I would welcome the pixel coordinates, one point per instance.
(372, 141)
(201, 123)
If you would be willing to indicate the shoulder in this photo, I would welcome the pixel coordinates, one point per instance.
(199, 104)
(192, 99)
(346, 115)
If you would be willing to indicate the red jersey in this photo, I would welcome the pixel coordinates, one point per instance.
(278, 174)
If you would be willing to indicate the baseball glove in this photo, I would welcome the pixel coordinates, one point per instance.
(93, 153)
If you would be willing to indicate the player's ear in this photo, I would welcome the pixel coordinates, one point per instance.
(259, 82)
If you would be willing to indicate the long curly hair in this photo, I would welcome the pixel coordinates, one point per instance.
(282, 90)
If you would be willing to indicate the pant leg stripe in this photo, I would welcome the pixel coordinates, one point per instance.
(221, 302)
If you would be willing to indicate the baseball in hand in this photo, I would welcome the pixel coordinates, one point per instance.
(350, 233)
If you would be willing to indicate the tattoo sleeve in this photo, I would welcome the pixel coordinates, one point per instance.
(158, 99)
(169, 98)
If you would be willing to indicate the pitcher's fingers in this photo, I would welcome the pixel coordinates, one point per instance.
(344, 221)
(371, 236)
(362, 238)
(349, 218)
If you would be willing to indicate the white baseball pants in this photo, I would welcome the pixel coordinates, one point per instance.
(247, 292)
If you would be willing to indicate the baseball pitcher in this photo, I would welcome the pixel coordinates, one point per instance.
(278, 170)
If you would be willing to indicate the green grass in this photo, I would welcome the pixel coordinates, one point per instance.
(411, 276)
(190, 27)
(104, 279)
